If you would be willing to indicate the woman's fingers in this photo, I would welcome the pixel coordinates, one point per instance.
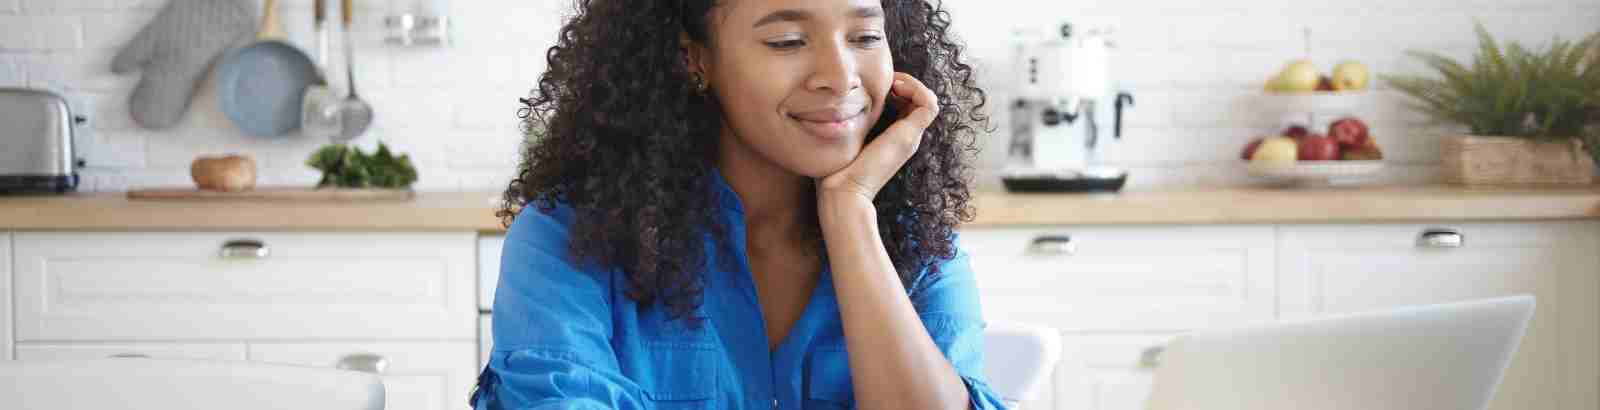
(881, 159)
(924, 105)
(905, 135)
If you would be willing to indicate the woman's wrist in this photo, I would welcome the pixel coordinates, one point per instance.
(845, 207)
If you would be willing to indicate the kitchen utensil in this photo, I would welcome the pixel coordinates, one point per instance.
(355, 113)
(175, 51)
(262, 85)
(36, 150)
(1065, 105)
(276, 194)
(424, 23)
(1315, 173)
(319, 114)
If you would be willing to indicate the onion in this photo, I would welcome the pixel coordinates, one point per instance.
(230, 173)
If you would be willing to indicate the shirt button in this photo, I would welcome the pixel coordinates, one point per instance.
(774, 402)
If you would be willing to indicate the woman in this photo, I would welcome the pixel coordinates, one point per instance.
(743, 204)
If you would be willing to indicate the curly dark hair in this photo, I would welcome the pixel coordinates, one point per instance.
(618, 134)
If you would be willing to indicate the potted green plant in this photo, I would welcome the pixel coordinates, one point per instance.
(1528, 112)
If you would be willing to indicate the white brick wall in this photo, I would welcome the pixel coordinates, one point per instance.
(1195, 68)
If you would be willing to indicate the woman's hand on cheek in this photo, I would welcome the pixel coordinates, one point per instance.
(880, 160)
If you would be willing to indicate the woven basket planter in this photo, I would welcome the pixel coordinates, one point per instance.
(1479, 160)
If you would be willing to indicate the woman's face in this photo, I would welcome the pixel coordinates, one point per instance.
(801, 81)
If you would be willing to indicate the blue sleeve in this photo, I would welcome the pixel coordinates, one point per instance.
(947, 303)
(552, 328)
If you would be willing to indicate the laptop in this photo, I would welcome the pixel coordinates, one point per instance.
(1443, 356)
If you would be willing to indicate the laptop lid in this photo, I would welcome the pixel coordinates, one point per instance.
(1444, 356)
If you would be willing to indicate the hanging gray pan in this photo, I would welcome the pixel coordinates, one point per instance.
(261, 85)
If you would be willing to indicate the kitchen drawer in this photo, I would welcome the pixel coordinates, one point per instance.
(199, 351)
(1125, 278)
(489, 250)
(177, 286)
(1349, 268)
(418, 376)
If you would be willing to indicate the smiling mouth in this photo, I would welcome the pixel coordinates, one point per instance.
(833, 128)
(833, 119)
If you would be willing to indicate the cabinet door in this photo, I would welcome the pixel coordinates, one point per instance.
(6, 323)
(489, 249)
(202, 286)
(417, 376)
(1125, 278)
(197, 351)
(1107, 371)
(485, 340)
(1351, 268)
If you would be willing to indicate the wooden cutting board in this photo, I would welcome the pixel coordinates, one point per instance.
(290, 194)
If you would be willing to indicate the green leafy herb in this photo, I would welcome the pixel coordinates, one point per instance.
(345, 166)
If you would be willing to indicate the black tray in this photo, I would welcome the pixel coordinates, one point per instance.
(1056, 184)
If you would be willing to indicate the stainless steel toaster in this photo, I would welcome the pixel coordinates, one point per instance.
(36, 142)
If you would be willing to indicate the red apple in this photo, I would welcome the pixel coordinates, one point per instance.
(1349, 132)
(1250, 149)
(1316, 147)
(1325, 83)
(1296, 131)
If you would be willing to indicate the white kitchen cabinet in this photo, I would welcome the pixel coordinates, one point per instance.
(1125, 278)
(1331, 269)
(1117, 292)
(206, 286)
(73, 351)
(1106, 371)
(416, 376)
(485, 340)
(6, 323)
(489, 250)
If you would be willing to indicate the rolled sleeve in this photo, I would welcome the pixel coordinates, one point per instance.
(552, 329)
(947, 302)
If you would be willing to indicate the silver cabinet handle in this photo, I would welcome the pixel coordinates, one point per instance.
(245, 249)
(364, 362)
(130, 356)
(1441, 238)
(1151, 357)
(1053, 245)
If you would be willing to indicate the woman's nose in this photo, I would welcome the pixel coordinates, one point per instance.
(835, 70)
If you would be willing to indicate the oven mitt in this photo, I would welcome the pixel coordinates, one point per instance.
(175, 51)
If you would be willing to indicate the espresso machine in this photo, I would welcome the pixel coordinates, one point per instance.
(1066, 114)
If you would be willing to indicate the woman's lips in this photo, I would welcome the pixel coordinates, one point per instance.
(829, 124)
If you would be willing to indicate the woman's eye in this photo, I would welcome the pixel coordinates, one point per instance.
(869, 39)
(786, 44)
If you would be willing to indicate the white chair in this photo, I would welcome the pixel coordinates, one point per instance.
(1019, 358)
(152, 384)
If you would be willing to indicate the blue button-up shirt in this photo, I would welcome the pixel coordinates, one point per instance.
(568, 337)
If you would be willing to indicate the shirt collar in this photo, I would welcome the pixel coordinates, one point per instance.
(726, 198)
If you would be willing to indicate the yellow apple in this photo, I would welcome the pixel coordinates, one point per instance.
(1280, 149)
(230, 173)
(1299, 76)
(1274, 84)
(1349, 76)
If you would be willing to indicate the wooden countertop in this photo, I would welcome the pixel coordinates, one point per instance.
(1265, 205)
(474, 211)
